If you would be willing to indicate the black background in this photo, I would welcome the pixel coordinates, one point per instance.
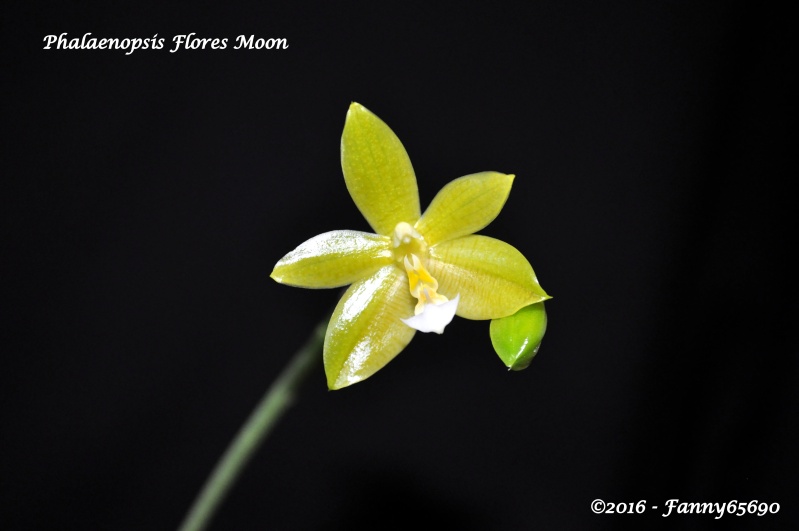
(147, 197)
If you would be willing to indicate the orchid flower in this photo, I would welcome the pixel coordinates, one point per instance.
(417, 270)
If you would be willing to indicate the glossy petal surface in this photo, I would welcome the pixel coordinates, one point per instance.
(493, 278)
(333, 259)
(365, 331)
(377, 171)
(516, 338)
(464, 206)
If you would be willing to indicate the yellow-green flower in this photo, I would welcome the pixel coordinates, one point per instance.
(418, 270)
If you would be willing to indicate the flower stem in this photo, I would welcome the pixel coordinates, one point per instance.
(257, 427)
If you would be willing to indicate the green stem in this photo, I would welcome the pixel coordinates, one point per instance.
(257, 427)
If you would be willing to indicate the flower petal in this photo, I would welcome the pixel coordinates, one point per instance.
(365, 331)
(434, 317)
(377, 171)
(464, 206)
(493, 278)
(334, 259)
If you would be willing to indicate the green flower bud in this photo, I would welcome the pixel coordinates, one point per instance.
(516, 338)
